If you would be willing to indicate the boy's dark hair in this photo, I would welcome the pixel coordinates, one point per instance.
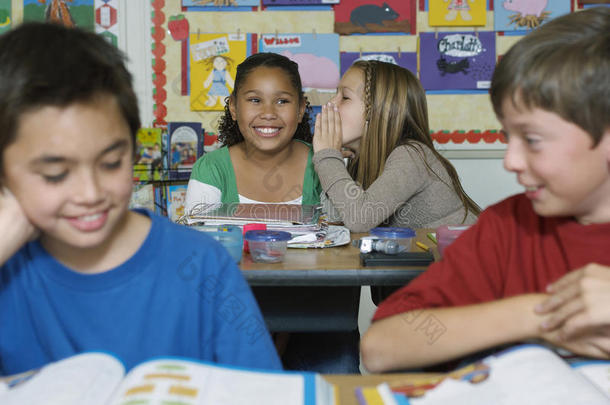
(228, 130)
(46, 64)
(562, 67)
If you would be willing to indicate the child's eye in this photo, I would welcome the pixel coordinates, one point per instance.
(345, 98)
(283, 101)
(254, 100)
(112, 165)
(55, 178)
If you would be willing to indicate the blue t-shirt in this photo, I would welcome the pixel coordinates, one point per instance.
(180, 294)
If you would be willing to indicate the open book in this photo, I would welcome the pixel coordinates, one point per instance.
(525, 374)
(239, 214)
(97, 378)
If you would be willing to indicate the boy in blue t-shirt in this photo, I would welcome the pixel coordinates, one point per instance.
(536, 265)
(79, 271)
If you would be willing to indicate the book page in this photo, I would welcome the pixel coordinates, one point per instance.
(192, 383)
(526, 375)
(598, 372)
(88, 378)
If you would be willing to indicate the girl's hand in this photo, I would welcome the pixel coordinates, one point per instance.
(327, 131)
(16, 226)
(578, 302)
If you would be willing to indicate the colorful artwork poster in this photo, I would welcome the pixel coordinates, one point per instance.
(71, 13)
(369, 16)
(5, 15)
(107, 20)
(220, 5)
(299, 2)
(213, 65)
(521, 16)
(407, 60)
(317, 56)
(457, 60)
(457, 13)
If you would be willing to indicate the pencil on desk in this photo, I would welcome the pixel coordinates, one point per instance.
(422, 245)
(432, 237)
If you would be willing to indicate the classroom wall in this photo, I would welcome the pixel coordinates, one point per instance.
(478, 164)
(480, 170)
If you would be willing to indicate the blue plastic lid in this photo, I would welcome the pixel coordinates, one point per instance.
(393, 233)
(267, 236)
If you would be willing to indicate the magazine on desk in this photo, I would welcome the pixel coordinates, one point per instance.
(97, 378)
(525, 374)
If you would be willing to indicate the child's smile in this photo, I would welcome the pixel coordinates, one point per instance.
(267, 108)
(71, 170)
(555, 161)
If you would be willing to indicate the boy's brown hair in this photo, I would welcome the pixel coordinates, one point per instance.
(46, 64)
(562, 67)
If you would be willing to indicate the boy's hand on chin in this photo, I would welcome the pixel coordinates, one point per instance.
(327, 130)
(14, 220)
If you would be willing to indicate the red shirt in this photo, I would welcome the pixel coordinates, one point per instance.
(509, 251)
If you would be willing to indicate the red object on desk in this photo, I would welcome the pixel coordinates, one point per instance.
(252, 227)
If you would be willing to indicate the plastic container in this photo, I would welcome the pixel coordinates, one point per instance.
(446, 234)
(403, 236)
(251, 227)
(231, 240)
(267, 246)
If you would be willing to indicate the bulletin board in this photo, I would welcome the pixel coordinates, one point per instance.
(458, 121)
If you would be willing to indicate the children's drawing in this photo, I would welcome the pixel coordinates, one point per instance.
(457, 60)
(107, 20)
(66, 12)
(5, 15)
(219, 82)
(458, 6)
(213, 65)
(457, 12)
(219, 3)
(523, 15)
(363, 16)
(317, 56)
(298, 2)
(528, 13)
(318, 72)
(407, 60)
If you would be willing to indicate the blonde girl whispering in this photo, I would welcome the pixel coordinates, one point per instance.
(395, 177)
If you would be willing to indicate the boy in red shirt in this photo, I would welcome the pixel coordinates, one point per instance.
(536, 265)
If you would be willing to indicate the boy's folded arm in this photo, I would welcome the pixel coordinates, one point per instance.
(428, 336)
(16, 227)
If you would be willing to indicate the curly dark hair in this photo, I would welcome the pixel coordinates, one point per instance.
(229, 131)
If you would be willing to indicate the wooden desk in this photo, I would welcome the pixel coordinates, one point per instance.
(336, 266)
(347, 384)
(318, 290)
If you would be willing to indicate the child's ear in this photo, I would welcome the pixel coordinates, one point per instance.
(232, 108)
(605, 143)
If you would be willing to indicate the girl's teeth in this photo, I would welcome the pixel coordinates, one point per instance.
(531, 188)
(267, 130)
(90, 217)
